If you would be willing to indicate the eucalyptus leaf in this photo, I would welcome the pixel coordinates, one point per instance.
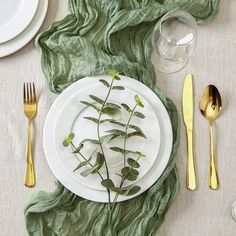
(135, 128)
(118, 88)
(134, 172)
(94, 141)
(133, 163)
(117, 190)
(112, 105)
(131, 177)
(116, 131)
(132, 190)
(105, 83)
(92, 119)
(136, 133)
(81, 164)
(90, 105)
(139, 114)
(111, 111)
(112, 72)
(89, 171)
(117, 149)
(125, 171)
(67, 140)
(100, 159)
(126, 107)
(108, 137)
(107, 183)
(78, 149)
(138, 101)
(97, 99)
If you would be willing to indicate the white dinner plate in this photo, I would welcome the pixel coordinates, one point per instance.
(15, 16)
(29, 32)
(55, 128)
(69, 119)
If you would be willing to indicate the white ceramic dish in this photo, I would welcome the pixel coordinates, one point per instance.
(52, 146)
(29, 32)
(15, 16)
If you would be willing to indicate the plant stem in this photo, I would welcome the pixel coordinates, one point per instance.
(99, 137)
(86, 160)
(126, 132)
(124, 148)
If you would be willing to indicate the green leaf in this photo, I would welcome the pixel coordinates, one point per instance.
(100, 160)
(116, 131)
(108, 137)
(117, 123)
(136, 133)
(78, 149)
(107, 183)
(117, 190)
(111, 111)
(94, 141)
(117, 149)
(140, 154)
(112, 72)
(126, 107)
(97, 99)
(112, 105)
(131, 191)
(118, 88)
(138, 101)
(81, 164)
(133, 163)
(67, 140)
(105, 83)
(87, 172)
(139, 114)
(134, 172)
(92, 119)
(90, 105)
(131, 177)
(135, 128)
(125, 171)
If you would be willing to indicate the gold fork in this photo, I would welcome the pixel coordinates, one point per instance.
(30, 110)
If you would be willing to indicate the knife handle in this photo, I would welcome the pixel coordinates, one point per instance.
(191, 176)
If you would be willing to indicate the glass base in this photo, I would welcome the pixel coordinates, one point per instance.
(233, 211)
(167, 66)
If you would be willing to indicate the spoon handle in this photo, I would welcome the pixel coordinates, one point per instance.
(213, 176)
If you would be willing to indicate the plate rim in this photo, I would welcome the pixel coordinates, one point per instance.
(20, 21)
(29, 32)
(160, 163)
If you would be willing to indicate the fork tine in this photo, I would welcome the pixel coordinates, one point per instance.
(34, 94)
(24, 95)
(30, 88)
(27, 92)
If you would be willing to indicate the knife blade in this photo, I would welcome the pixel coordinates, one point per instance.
(187, 104)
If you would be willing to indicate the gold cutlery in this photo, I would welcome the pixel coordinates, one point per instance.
(187, 104)
(30, 110)
(210, 106)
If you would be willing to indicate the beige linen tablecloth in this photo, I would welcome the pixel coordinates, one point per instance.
(200, 213)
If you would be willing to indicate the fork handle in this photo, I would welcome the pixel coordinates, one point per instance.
(29, 175)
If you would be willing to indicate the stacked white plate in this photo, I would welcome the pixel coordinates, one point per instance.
(66, 116)
(20, 20)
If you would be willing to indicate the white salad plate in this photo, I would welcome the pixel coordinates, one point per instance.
(15, 16)
(22, 38)
(66, 116)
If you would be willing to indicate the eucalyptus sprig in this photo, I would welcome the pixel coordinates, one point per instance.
(127, 130)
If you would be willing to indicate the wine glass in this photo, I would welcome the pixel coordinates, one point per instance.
(174, 39)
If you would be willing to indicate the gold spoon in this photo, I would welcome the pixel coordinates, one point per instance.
(210, 106)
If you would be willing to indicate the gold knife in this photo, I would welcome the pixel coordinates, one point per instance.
(187, 103)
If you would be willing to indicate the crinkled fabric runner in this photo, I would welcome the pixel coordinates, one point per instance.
(97, 35)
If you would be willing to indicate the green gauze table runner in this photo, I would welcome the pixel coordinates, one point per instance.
(97, 35)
